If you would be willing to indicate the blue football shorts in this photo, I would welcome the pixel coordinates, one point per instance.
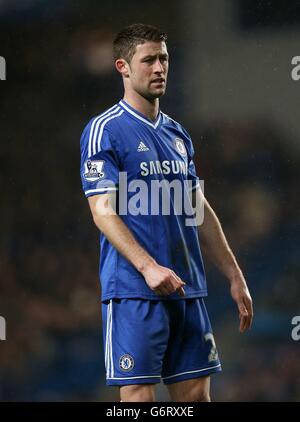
(149, 340)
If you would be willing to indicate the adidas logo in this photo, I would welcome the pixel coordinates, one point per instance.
(142, 147)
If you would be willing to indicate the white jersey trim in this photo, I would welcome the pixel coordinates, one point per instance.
(135, 378)
(192, 372)
(170, 118)
(100, 190)
(110, 341)
(103, 124)
(140, 117)
(107, 363)
(93, 132)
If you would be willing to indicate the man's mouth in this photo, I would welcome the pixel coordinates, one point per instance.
(158, 81)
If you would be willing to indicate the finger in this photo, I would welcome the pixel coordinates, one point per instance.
(158, 292)
(179, 288)
(163, 291)
(176, 284)
(242, 309)
(248, 321)
(249, 306)
(178, 279)
(181, 282)
(243, 314)
(172, 288)
(168, 287)
(243, 323)
(181, 291)
(251, 321)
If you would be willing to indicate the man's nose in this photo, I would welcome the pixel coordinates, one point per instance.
(158, 67)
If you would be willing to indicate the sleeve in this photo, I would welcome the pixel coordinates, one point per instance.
(195, 181)
(99, 169)
(192, 174)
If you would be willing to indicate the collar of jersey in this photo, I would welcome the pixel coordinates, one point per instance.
(137, 115)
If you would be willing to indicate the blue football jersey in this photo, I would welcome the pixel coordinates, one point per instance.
(123, 145)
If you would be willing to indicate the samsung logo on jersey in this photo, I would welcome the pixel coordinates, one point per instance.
(163, 167)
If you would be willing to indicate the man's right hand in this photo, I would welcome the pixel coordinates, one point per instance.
(162, 280)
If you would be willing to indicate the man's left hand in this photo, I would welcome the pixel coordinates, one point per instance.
(241, 296)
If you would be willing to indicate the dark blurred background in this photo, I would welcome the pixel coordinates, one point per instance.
(230, 85)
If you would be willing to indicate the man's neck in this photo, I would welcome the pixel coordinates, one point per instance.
(141, 104)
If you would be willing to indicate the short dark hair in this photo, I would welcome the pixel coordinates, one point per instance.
(129, 37)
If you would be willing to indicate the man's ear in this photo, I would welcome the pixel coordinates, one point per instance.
(123, 67)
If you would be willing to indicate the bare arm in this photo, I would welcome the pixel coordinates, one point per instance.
(216, 248)
(161, 280)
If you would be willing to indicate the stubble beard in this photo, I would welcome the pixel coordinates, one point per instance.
(152, 95)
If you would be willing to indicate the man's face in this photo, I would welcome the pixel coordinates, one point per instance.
(149, 69)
